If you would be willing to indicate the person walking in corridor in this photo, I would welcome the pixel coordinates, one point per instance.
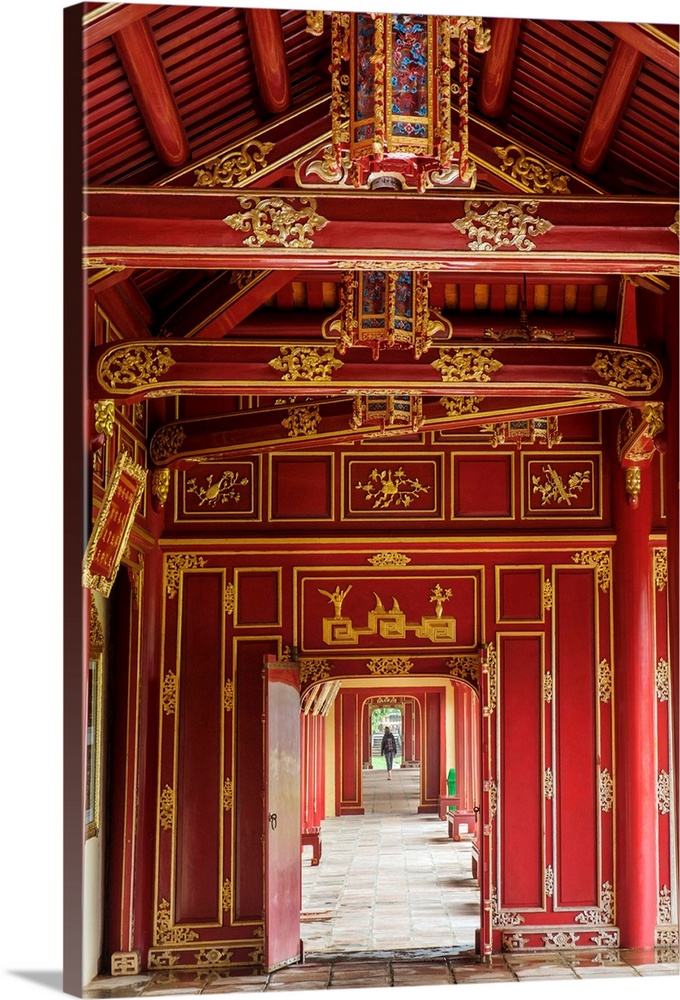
(388, 748)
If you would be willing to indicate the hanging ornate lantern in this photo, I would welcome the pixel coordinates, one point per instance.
(394, 81)
(386, 310)
(541, 430)
(393, 413)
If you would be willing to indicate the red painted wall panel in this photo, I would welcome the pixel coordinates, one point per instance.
(198, 793)
(576, 750)
(433, 764)
(301, 487)
(482, 486)
(521, 770)
(520, 594)
(258, 599)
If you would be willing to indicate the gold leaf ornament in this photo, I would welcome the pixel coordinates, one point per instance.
(277, 221)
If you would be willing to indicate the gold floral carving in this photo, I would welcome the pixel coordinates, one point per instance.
(166, 933)
(229, 598)
(175, 565)
(663, 680)
(134, 366)
(514, 942)
(223, 491)
(605, 913)
(104, 417)
(389, 265)
(665, 905)
(389, 559)
(302, 422)
(469, 364)
(502, 225)
(549, 783)
(314, 22)
(314, 670)
(214, 958)
(329, 168)
(460, 405)
(560, 939)
(547, 595)
(166, 442)
(675, 225)
(464, 667)
(235, 166)
(492, 670)
(547, 686)
(96, 631)
(606, 790)
(493, 799)
(170, 693)
(275, 220)
(605, 682)
(663, 792)
(633, 477)
(554, 490)
(660, 568)
(530, 171)
(226, 896)
(549, 882)
(606, 939)
(624, 370)
(387, 487)
(666, 944)
(228, 700)
(163, 960)
(166, 808)
(311, 364)
(160, 485)
(503, 918)
(392, 665)
(601, 559)
(243, 278)
(227, 795)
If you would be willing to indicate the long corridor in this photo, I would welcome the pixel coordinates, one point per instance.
(389, 880)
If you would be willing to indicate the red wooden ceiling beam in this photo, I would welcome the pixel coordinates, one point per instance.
(132, 371)
(269, 57)
(169, 228)
(620, 76)
(497, 63)
(653, 44)
(111, 18)
(219, 307)
(142, 63)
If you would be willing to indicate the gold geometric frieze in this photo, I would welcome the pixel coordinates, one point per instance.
(606, 939)
(302, 422)
(663, 680)
(666, 944)
(389, 559)
(503, 918)
(166, 933)
(235, 166)
(104, 417)
(549, 881)
(160, 485)
(604, 681)
(166, 808)
(175, 565)
(392, 624)
(606, 790)
(226, 896)
(514, 942)
(134, 366)
(530, 171)
(547, 595)
(389, 265)
(214, 958)
(223, 491)
(663, 792)
(125, 963)
(228, 699)
(623, 370)
(665, 905)
(460, 405)
(502, 225)
(386, 486)
(468, 364)
(314, 670)
(229, 598)
(464, 667)
(170, 693)
(561, 939)
(96, 631)
(390, 665)
(605, 913)
(227, 795)
(164, 960)
(675, 225)
(599, 558)
(256, 956)
(549, 783)
(166, 442)
(277, 221)
(311, 364)
(660, 568)
(547, 686)
(554, 490)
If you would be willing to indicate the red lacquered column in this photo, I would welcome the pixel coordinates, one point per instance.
(634, 706)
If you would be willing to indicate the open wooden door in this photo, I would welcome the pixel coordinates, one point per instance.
(283, 866)
(485, 839)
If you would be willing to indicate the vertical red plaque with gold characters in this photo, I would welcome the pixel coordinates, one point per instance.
(113, 525)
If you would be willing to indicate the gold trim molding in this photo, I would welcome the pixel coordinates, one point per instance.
(170, 693)
(228, 700)
(547, 687)
(660, 568)
(547, 596)
(229, 598)
(166, 808)
(228, 794)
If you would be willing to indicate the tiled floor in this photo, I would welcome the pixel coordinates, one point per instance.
(392, 903)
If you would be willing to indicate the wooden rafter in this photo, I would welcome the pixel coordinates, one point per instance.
(269, 57)
(653, 44)
(494, 84)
